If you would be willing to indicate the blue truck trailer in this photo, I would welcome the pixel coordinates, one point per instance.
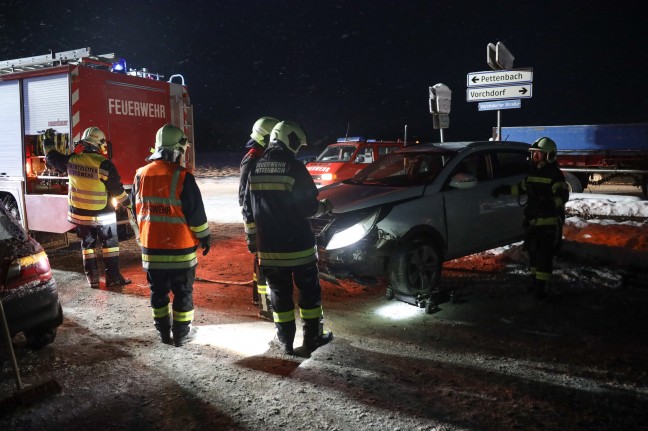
(594, 154)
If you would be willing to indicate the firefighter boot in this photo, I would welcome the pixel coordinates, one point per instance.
(163, 326)
(113, 276)
(285, 336)
(315, 335)
(183, 333)
(93, 278)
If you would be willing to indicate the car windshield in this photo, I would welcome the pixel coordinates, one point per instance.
(403, 169)
(337, 153)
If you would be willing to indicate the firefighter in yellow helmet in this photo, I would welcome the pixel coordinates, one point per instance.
(259, 139)
(279, 200)
(172, 224)
(544, 214)
(94, 183)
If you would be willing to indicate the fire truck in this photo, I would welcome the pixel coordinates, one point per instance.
(69, 92)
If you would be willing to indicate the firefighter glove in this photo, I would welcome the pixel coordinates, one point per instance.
(251, 243)
(205, 247)
(325, 207)
(500, 190)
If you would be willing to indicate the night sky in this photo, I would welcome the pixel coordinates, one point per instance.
(365, 66)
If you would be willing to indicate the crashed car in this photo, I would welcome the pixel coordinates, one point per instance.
(412, 210)
(28, 291)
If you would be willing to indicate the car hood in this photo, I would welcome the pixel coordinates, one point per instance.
(352, 197)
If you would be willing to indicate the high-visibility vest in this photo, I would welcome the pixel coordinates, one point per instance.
(167, 241)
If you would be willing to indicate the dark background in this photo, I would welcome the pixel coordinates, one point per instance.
(361, 66)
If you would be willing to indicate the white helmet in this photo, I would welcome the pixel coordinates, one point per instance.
(290, 134)
(262, 128)
(96, 138)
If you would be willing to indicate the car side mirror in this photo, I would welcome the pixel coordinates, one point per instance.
(463, 181)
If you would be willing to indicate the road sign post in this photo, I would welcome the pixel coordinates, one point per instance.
(501, 88)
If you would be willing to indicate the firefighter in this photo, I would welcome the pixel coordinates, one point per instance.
(259, 140)
(172, 223)
(280, 197)
(94, 184)
(544, 214)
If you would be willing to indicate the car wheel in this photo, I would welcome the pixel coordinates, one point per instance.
(415, 268)
(389, 293)
(39, 338)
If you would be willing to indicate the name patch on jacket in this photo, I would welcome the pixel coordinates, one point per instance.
(156, 209)
(270, 168)
(82, 171)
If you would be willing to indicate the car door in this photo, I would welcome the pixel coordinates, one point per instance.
(509, 166)
(471, 222)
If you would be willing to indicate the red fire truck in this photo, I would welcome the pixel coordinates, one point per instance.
(69, 92)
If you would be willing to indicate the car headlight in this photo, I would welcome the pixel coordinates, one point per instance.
(354, 233)
(327, 177)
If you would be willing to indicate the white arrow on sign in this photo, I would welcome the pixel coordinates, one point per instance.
(500, 77)
(499, 93)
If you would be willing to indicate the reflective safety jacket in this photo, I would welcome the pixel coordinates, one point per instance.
(94, 181)
(170, 215)
(547, 195)
(279, 199)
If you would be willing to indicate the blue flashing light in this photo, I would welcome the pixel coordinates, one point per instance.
(351, 139)
(119, 66)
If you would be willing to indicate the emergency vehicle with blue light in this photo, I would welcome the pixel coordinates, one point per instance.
(69, 92)
(346, 157)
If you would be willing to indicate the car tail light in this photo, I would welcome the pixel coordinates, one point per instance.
(28, 269)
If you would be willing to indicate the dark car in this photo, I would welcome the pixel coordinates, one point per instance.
(28, 291)
(407, 213)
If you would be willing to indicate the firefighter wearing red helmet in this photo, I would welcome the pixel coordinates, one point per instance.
(94, 183)
(279, 200)
(544, 214)
(172, 223)
(259, 139)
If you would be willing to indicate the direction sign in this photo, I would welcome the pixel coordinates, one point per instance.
(500, 77)
(500, 104)
(498, 93)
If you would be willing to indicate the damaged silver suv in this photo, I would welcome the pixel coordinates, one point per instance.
(403, 216)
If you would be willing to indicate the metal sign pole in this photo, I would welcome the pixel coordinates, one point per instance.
(499, 125)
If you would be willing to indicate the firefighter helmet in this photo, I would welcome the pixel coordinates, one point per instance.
(290, 134)
(171, 138)
(547, 146)
(94, 136)
(262, 128)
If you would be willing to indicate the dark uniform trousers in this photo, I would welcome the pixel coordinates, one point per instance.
(280, 282)
(542, 243)
(178, 281)
(99, 236)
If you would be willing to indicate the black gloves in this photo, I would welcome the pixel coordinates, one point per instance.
(205, 246)
(325, 207)
(251, 242)
(501, 190)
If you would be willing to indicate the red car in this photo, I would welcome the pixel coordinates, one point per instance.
(347, 157)
(28, 291)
